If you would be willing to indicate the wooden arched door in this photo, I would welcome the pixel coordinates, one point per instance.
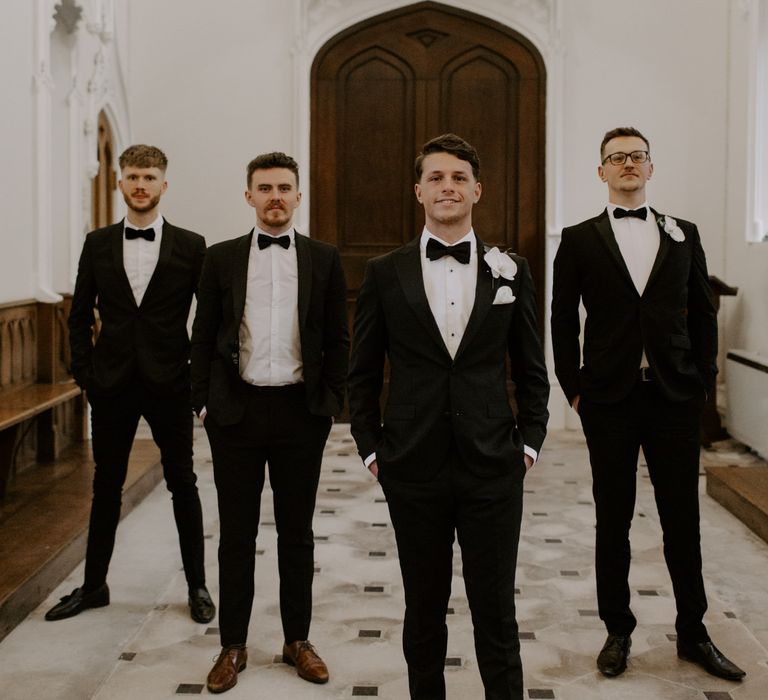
(384, 87)
(104, 184)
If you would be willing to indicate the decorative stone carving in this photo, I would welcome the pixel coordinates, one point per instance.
(427, 37)
(67, 14)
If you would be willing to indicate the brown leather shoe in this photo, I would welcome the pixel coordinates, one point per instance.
(308, 664)
(223, 675)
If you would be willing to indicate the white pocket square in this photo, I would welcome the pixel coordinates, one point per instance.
(504, 296)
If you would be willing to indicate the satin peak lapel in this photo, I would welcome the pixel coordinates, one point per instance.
(483, 300)
(166, 248)
(242, 254)
(661, 254)
(304, 271)
(408, 267)
(605, 232)
(117, 259)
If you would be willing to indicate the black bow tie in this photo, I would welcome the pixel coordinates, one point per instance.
(619, 213)
(460, 251)
(131, 234)
(265, 241)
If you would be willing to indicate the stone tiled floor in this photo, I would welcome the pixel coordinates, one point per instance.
(145, 646)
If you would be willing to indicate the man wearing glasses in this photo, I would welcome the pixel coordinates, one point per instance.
(647, 363)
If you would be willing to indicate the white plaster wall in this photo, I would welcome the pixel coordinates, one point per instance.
(746, 315)
(17, 120)
(662, 67)
(211, 85)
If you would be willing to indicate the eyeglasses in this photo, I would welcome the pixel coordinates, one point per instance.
(621, 158)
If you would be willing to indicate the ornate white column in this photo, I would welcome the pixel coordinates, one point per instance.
(43, 85)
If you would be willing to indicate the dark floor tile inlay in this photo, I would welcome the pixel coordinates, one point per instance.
(321, 538)
(378, 524)
(377, 554)
(517, 591)
(316, 569)
(449, 611)
(339, 471)
(127, 656)
(569, 573)
(647, 592)
(370, 691)
(333, 490)
(373, 589)
(527, 635)
(207, 537)
(588, 613)
(371, 634)
(328, 512)
(259, 552)
(189, 689)
(212, 630)
(717, 695)
(162, 606)
(453, 661)
(541, 693)
(379, 500)
(672, 637)
(277, 659)
(540, 515)
(553, 540)
(730, 614)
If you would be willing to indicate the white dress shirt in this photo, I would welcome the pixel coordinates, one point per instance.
(638, 242)
(450, 287)
(140, 257)
(270, 348)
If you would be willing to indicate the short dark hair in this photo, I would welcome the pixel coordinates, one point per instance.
(276, 159)
(449, 143)
(621, 131)
(142, 156)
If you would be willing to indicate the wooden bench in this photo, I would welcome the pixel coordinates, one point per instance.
(42, 410)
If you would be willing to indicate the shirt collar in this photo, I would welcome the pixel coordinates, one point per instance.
(291, 233)
(612, 207)
(426, 234)
(157, 225)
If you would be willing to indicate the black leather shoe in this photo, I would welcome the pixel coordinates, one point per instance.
(711, 659)
(612, 660)
(201, 607)
(77, 601)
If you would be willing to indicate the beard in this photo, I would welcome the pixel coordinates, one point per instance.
(149, 205)
(276, 217)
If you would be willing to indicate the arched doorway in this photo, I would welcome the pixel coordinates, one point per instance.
(383, 87)
(105, 182)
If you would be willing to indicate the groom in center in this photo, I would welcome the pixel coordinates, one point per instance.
(450, 315)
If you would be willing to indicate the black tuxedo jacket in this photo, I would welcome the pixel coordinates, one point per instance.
(674, 319)
(435, 401)
(147, 342)
(216, 382)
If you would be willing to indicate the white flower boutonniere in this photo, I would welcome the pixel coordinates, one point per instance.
(501, 264)
(670, 226)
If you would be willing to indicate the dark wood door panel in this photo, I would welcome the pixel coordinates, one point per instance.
(385, 86)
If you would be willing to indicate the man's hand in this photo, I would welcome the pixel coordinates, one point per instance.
(575, 403)
(528, 462)
(374, 468)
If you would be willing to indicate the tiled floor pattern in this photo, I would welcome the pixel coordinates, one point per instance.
(144, 645)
